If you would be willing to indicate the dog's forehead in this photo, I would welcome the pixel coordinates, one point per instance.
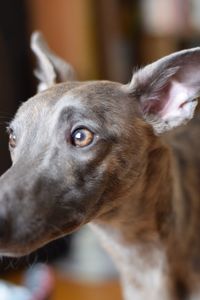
(98, 91)
(87, 94)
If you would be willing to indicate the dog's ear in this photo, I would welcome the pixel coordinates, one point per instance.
(168, 89)
(51, 68)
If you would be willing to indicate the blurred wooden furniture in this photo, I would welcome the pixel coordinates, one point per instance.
(69, 29)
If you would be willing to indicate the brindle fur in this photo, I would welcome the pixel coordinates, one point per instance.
(139, 189)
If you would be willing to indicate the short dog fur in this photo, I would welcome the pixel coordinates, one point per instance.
(114, 156)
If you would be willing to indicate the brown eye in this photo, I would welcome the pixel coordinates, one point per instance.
(82, 137)
(12, 140)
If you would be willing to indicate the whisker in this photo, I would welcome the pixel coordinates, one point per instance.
(32, 259)
(10, 264)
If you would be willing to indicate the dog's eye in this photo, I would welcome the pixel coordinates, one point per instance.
(11, 138)
(82, 137)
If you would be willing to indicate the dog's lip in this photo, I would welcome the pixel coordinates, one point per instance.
(24, 251)
(10, 254)
(15, 251)
(18, 250)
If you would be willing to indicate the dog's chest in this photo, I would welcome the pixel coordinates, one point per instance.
(143, 270)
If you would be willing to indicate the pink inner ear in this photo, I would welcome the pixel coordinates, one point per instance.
(182, 88)
(156, 103)
(176, 99)
(173, 104)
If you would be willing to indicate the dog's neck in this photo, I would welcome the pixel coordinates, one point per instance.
(144, 211)
(134, 235)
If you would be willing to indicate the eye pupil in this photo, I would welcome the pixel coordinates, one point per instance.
(82, 137)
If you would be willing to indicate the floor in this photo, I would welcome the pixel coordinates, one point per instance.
(66, 289)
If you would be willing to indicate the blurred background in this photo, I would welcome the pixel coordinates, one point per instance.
(103, 40)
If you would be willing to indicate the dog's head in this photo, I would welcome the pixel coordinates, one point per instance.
(79, 148)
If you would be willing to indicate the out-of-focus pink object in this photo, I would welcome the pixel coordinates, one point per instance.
(38, 285)
(39, 280)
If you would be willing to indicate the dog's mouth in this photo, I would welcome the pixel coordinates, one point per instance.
(19, 250)
(30, 243)
(16, 252)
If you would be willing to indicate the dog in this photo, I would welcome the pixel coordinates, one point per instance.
(117, 156)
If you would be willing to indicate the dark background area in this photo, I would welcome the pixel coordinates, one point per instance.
(15, 79)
